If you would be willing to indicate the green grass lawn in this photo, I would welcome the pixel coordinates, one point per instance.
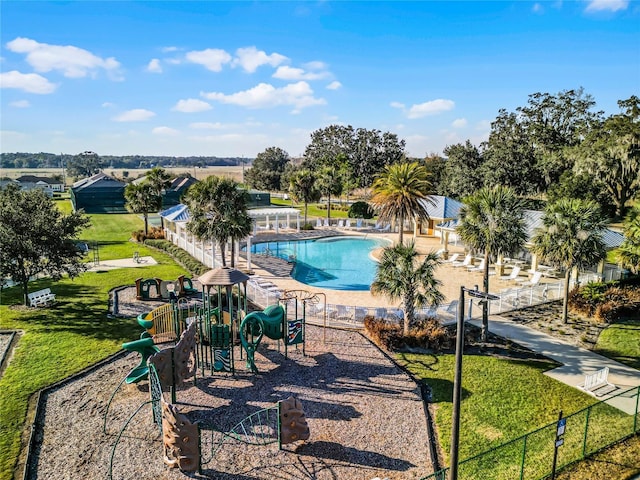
(621, 342)
(313, 210)
(501, 399)
(73, 334)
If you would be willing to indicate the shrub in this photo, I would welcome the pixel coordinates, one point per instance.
(360, 210)
(428, 334)
(155, 233)
(179, 255)
(307, 226)
(606, 302)
(618, 303)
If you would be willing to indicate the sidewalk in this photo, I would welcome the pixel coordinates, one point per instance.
(576, 362)
(123, 263)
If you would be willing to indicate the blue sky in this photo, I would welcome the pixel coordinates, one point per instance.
(234, 78)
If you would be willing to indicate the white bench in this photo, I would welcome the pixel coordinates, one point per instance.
(42, 298)
(597, 384)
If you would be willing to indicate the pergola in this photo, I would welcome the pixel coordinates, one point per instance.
(271, 218)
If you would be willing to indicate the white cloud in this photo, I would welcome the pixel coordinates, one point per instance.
(316, 65)
(335, 85)
(207, 126)
(263, 95)
(165, 131)
(250, 58)
(290, 73)
(459, 123)
(135, 115)
(72, 61)
(433, 107)
(191, 105)
(20, 104)
(397, 105)
(212, 58)
(169, 49)
(28, 82)
(107, 105)
(610, 5)
(154, 66)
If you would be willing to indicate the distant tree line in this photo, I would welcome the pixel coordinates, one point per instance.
(53, 160)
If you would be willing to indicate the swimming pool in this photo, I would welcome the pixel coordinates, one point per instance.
(337, 263)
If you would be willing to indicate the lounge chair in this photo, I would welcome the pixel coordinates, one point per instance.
(465, 263)
(477, 268)
(453, 258)
(326, 223)
(342, 312)
(360, 314)
(347, 224)
(340, 223)
(513, 275)
(386, 228)
(534, 280)
(451, 309)
(359, 223)
(318, 223)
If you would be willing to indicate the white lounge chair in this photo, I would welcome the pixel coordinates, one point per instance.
(326, 223)
(347, 224)
(534, 280)
(360, 314)
(453, 258)
(318, 223)
(465, 263)
(477, 268)
(450, 309)
(340, 223)
(359, 223)
(513, 275)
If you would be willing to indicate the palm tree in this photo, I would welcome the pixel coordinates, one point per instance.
(329, 183)
(400, 276)
(303, 189)
(571, 237)
(400, 192)
(492, 222)
(141, 198)
(158, 178)
(629, 252)
(218, 211)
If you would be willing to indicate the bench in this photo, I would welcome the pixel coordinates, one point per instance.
(42, 298)
(597, 384)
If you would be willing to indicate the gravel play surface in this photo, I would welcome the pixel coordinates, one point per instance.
(365, 416)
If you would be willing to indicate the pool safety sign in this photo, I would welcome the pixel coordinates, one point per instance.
(559, 441)
(562, 423)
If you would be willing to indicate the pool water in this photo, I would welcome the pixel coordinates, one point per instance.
(338, 263)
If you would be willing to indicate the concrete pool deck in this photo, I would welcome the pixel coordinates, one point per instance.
(278, 271)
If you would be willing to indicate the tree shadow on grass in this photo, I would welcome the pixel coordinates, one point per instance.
(79, 309)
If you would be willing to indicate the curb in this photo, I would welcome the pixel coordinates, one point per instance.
(35, 436)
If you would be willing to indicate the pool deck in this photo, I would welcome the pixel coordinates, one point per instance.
(278, 271)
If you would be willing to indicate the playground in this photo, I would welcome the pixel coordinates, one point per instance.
(365, 417)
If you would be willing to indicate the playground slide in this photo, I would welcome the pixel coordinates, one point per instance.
(145, 348)
(269, 322)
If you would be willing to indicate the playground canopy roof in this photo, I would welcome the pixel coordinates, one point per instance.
(223, 276)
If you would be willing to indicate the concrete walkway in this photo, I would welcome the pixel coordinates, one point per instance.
(123, 263)
(576, 362)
